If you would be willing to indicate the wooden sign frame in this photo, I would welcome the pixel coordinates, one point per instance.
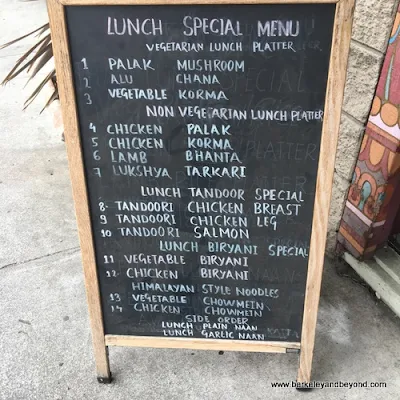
(334, 95)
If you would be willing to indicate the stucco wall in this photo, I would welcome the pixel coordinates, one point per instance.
(373, 20)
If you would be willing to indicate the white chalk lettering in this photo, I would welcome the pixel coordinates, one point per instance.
(194, 78)
(169, 259)
(212, 193)
(179, 246)
(216, 273)
(141, 231)
(225, 233)
(151, 273)
(134, 129)
(196, 25)
(224, 261)
(286, 251)
(163, 287)
(138, 94)
(129, 64)
(212, 172)
(183, 47)
(201, 94)
(210, 65)
(127, 26)
(278, 28)
(146, 191)
(129, 170)
(223, 247)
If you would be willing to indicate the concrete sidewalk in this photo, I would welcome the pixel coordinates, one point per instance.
(44, 331)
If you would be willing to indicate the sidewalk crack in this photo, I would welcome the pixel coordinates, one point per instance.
(72, 250)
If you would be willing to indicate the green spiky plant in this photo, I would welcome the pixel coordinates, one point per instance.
(34, 59)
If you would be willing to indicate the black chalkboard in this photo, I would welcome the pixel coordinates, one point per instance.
(200, 129)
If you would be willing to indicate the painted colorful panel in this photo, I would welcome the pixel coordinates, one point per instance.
(374, 195)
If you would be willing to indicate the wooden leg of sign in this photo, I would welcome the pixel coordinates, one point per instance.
(64, 78)
(330, 132)
(103, 366)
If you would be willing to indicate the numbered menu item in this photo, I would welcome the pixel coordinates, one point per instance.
(201, 129)
(201, 141)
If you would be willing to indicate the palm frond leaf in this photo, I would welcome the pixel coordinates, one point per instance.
(45, 27)
(35, 93)
(53, 97)
(42, 29)
(42, 61)
(24, 62)
(33, 61)
(44, 46)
